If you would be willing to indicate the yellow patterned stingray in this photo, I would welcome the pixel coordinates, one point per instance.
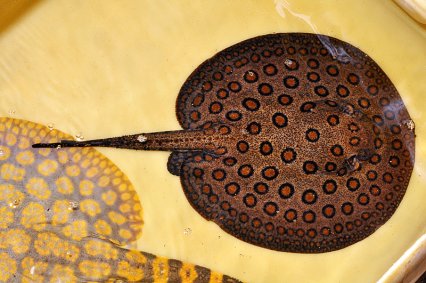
(64, 215)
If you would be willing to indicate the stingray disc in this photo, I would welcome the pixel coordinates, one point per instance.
(316, 147)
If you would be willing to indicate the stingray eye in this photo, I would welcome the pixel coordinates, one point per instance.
(364, 154)
(352, 163)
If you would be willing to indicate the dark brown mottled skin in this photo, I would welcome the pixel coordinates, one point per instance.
(293, 142)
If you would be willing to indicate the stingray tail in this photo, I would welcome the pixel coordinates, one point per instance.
(166, 141)
(72, 143)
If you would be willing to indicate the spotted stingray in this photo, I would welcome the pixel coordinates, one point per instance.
(293, 142)
(65, 216)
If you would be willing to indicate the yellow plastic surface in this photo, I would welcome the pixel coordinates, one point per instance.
(107, 68)
(415, 8)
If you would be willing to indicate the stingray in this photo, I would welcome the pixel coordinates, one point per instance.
(293, 142)
(66, 215)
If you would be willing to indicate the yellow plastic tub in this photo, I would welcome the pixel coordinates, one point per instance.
(106, 68)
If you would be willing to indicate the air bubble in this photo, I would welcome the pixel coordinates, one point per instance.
(409, 124)
(73, 205)
(69, 254)
(1, 152)
(50, 126)
(79, 137)
(187, 231)
(142, 138)
(288, 62)
(15, 203)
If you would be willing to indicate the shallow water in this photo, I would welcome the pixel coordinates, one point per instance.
(97, 69)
